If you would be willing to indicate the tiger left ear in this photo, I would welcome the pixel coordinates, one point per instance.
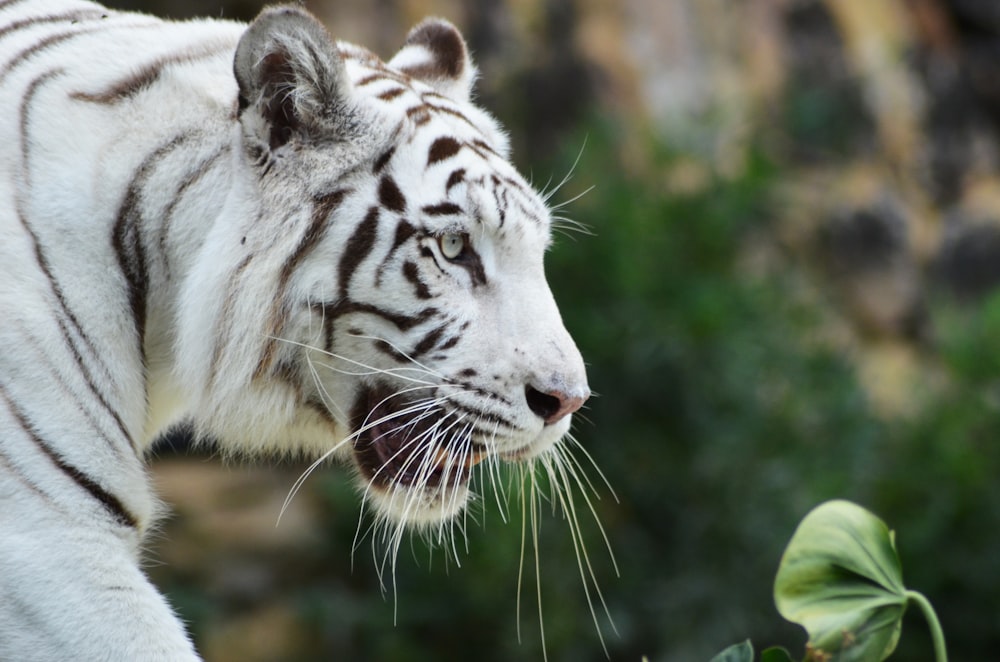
(435, 53)
(292, 81)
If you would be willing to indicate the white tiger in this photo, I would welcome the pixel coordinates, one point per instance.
(273, 237)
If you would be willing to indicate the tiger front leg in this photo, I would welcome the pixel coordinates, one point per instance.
(73, 591)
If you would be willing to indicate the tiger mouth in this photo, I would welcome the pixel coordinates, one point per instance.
(402, 443)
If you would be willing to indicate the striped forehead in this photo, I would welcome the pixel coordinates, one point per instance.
(451, 181)
(415, 103)
(448, 147)
(470, 173)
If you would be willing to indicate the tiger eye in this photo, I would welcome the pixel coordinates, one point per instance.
(452, 245)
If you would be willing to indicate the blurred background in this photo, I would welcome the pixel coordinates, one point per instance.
(788, 293)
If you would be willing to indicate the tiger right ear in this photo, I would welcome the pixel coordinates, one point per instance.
(435, 53)
(291, 77)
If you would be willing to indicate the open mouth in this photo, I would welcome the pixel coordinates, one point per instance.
(411, 443)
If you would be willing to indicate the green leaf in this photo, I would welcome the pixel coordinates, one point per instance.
(775, 654)
(736, 653)
(840, 578)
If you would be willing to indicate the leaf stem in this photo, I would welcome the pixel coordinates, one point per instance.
(937, 634)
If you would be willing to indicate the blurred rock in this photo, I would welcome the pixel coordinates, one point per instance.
(968, 265)
(867, 252)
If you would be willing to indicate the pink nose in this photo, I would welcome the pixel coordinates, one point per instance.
(555, 405)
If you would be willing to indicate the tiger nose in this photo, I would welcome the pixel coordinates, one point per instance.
(553, 405)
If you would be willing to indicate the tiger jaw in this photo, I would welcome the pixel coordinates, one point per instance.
(416, 459)
(410, 444)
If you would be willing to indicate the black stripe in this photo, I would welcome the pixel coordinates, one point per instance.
(9, 467)
(68, 17)
(357, 249)
(81, 399)
(382, 75)
(443, 209)
(404, 231)
(24, 117)
(190, 180)
(382, 161)
(500, 198)
(148, 74)
(441, 149)
(370, 78)
(519, 186)
(127, 241)
(43, 264)
(59, 38)
(401, 321)
(486, 147)
(482, 415)
(412, 274)
(390, 196)
(221, 335)
(453, 112)
(471, 262)
(48, 42)
(528, 213)
(429, 341)
(419, 115)
(391, 351)
(113, 505)
(88, 377)
(454, 179)
(323, 207)
(5, 4)
(389, 95)
(323, 412)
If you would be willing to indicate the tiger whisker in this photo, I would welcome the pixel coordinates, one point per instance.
(324, 395)
(570, 228)
(565, 203)
(556, 468)
(538, 570)
(582, 450)
(522, 475)
(574, 470)
(367, 425)
(366, 369)
(402, 353)
(547, 193)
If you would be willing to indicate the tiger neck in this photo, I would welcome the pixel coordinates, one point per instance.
(188, 187)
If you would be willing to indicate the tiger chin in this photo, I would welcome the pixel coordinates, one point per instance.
(274, 237)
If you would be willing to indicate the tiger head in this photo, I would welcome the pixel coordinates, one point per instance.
(375, 288)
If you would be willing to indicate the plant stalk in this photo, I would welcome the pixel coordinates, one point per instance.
(937, 634)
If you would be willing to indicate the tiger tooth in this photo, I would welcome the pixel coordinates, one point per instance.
(441, 457)
(475, 458)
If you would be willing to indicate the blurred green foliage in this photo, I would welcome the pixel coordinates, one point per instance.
(723, 414)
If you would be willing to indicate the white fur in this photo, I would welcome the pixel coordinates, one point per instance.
(233, 337)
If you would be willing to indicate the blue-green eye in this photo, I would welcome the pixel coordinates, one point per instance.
(452, 245)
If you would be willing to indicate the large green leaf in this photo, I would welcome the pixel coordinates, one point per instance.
(742, 652)
(841, 579)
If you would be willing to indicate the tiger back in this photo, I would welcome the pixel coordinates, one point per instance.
(277, 239)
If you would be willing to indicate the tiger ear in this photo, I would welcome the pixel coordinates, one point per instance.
(435, 53)
(291, 78)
